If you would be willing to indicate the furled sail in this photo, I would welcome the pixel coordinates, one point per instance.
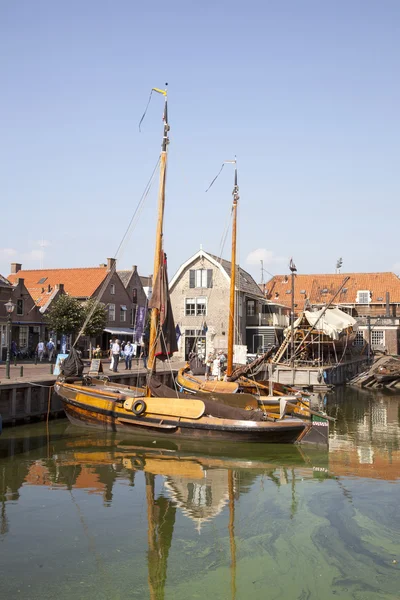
(166, 343)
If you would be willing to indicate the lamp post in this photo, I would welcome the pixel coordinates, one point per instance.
(10, 309)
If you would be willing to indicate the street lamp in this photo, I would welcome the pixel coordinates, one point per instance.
(10, 309)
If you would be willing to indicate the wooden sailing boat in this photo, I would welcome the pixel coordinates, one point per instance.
(268, 393)
(171, 414)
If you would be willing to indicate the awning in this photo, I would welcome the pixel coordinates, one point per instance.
(119, 331)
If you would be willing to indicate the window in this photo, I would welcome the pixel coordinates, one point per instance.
(122, 313)
(363, 297)
(112, 288)
(23, 336)
(133, 315)
(111, 312)
(359, 339)
(251, 308)
(42, 280)
(134, 295)
(195, 307)
(20, 306)
(200, 278)
(377, 337)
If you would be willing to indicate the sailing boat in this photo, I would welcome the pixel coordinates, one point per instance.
(269, 394)
(159, 410)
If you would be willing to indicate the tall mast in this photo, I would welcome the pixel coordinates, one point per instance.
(159, 233)
(231, 329)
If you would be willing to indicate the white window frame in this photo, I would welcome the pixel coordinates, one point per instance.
(111, 312)
(112, 289)
(200, 278)
(23, 338)
(377, 337)
(361, 296)
(196, 305)
(122, 314)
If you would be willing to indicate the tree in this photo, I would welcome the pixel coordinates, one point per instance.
(65, 315)
(98, 319)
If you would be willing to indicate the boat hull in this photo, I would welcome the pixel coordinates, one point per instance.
(106, 414)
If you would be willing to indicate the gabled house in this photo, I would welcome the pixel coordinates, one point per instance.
(133, 285)
(44, 285)
(200, 302)
(373, 299)
(26, 319)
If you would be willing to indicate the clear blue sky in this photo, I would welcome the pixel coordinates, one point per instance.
(305, 93)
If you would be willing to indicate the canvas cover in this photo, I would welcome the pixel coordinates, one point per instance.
(73, 364)
(332, 322)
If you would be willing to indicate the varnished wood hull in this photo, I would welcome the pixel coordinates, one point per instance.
(194, 385)
(107, 414)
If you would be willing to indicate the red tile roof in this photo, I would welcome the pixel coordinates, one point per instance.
(321, 288)
(80, 283)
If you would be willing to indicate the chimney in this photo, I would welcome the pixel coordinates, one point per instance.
(59, 287)
(387, 304)
(111, 264)
(134, 268)
(102, 264)
(49, 288)
(20, 281)
(15, 267)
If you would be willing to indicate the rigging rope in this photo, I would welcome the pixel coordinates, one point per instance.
(129, 230)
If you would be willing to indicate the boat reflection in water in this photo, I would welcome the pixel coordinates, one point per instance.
(200, 486)
(183, 489)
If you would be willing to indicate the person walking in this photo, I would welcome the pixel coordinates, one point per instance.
(50, 349)
(40, 350)
(128, 350)
(116, 350)
(209, 364)
(144, 356)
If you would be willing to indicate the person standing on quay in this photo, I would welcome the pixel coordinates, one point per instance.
(40, 350)
(50, 349)
(128, 350)
(116, 350)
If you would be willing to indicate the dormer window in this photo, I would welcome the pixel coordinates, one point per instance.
(324, 291)
(363, 297)
(112, 288)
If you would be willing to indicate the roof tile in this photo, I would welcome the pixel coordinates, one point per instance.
(321, 288)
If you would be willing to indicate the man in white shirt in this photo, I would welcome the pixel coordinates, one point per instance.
(40, 350)
(115, 349)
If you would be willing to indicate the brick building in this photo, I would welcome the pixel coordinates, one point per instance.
(200, 302)
(44, 285)
(373, 299)
(26, 319)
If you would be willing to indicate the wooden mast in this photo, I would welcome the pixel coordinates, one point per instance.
(159, 232)
(231, 329)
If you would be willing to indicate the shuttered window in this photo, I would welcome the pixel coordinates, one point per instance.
(200, 278)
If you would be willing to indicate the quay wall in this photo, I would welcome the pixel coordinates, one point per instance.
(22, 401)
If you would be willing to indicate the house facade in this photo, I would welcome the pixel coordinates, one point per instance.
(373, 299)
(26, 319)
(103, 282)
(200, 293)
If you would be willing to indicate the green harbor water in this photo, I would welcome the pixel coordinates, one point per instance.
(86, 516)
